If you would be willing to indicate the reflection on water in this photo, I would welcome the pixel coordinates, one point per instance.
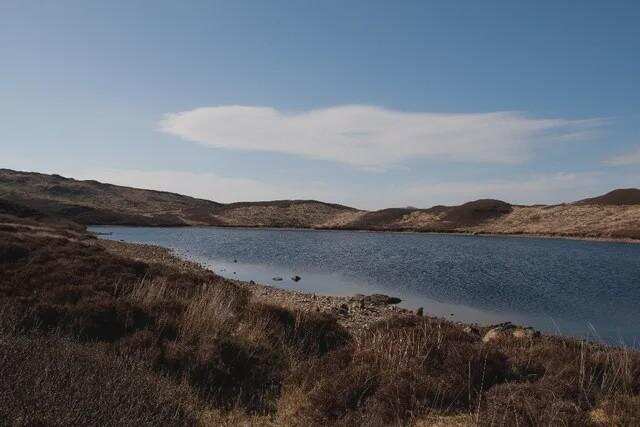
(587, 289)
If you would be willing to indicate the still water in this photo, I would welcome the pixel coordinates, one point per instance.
(580, 288)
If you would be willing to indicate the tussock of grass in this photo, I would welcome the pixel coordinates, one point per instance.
(395, 371)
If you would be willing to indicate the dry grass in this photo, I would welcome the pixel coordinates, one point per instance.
(397, 371)
(298, 214)
(212, 310)
(563, 382)
(52, 380)
(569, 220)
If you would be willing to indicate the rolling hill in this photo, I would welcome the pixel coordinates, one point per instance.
(613, 215)
(93, 202)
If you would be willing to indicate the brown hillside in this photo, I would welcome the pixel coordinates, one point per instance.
(476, 212)
(438, 218)
(613, 215)
(92, 202)
(589, 221)
(621, 196)
(280, 213)
(382, 219)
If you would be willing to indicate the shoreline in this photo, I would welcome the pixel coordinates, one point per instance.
(350, 311)
(626, 240)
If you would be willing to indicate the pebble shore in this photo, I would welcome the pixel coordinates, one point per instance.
(353, 312)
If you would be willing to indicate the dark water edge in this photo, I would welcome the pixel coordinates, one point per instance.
(586, 289)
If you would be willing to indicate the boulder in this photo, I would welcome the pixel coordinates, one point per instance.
(375, 299)
(472, 330)
(493, 334)
(296, 278)
(509, 329)
(525, 333)
(381, 299)
(342, 310)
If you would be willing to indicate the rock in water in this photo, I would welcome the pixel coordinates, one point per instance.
(278, 279)
(296, 278)
(344, 309)
(381, 299)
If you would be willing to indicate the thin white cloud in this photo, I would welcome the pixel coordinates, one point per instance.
(372, 137)
(627, 159)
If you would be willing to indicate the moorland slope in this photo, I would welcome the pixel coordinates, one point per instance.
(615, 215)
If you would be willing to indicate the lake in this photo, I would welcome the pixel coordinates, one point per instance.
(581, 288)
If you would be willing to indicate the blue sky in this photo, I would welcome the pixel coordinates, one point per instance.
(368, 103)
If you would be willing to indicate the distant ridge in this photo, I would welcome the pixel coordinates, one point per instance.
(622, 196)
(613, 215)
(92, 202)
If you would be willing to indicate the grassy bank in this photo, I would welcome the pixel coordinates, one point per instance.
(95, 332)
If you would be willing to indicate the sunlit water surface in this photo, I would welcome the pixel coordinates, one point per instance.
(581, 288)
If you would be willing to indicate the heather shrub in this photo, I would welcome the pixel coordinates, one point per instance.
(529, 404)
(56, 381)
(298, 333)
(10, 252)
(584, 373)
(396, 370)
(623, 410)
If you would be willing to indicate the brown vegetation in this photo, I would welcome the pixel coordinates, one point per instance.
(88, 336)
(92, 202)
(589, 221)
(51, 380)
(621, 196)
(179, 326)
(280, 213)
(378, 219)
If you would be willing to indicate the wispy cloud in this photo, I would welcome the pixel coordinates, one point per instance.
(373, 137)
(627, 159)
